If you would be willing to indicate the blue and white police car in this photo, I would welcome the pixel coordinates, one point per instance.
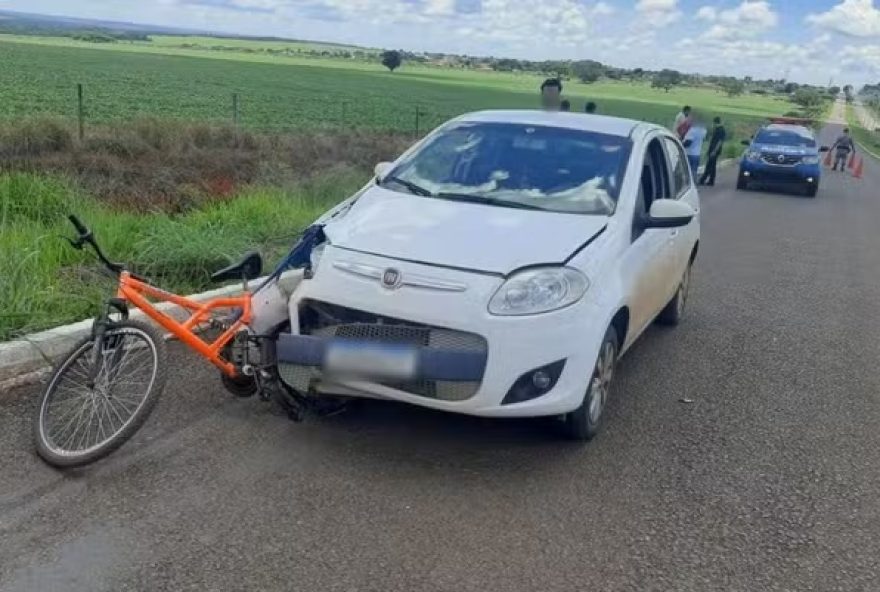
(784, 152)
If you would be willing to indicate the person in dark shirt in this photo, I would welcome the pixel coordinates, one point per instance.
(590, 108)
(551, 94)
(716, 143)
(843, 146)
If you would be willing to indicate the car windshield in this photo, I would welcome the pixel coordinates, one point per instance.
(784, 138)
(517, 165)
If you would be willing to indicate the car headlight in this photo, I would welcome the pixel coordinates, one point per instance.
(753, 155)
(810, 160)
(535, 291)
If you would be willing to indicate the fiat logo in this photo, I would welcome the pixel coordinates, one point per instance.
(391, 279)
(781, 158)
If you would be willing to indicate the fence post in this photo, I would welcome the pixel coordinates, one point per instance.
(80, 111)
(235, 109)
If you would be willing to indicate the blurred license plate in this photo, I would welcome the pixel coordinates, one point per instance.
(371, 360)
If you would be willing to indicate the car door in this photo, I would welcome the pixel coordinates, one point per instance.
(647, 263)
(681, 240)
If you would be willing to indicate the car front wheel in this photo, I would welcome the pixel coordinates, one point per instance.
(741, 183)
(583, 423)
(674, 311)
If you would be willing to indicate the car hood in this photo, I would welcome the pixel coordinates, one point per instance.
(457, 234)
(780, 149)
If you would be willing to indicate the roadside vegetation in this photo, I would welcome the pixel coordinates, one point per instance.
(870, 139)
(44, 282)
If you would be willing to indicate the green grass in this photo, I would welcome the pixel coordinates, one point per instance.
(868, 139)
(44, 282)
(125, 80)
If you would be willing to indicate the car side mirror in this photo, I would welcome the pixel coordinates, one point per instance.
(670, 213)
(746, 143)
(824, 149)
(381, 170)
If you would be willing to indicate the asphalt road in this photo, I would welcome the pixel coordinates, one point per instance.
(768, 480)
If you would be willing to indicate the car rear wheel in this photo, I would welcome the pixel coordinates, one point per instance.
(583, 423)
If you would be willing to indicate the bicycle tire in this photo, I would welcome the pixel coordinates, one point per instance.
(58, 457)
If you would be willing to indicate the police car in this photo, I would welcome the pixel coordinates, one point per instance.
(784, 152)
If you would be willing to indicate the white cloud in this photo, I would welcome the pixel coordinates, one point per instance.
(749, 19)
(602, 9)
(656, 5)
(440, 7)
(657, 13)
(707, 13)
(858, 18)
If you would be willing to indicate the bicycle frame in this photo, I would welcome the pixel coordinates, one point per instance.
(135, 291)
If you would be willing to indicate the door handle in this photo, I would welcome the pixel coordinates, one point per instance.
(674, 233)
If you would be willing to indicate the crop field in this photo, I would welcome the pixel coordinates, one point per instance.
(141, 174)
(123, 81)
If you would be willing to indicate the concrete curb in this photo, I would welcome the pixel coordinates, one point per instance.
(26, 360)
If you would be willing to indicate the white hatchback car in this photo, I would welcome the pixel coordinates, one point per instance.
(499, 267)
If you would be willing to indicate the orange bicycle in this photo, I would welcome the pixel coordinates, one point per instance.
(104, 390)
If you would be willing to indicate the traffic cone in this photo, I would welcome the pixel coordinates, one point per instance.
(857, 170)
(829, 159)
(852, 162)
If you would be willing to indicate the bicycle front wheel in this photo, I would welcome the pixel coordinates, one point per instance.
(82, 419)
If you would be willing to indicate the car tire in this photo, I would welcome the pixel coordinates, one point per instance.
(584, 423)
(673, 313)
(811, 190)
(741, 183)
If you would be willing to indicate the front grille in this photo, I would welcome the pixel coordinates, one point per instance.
(329, 320)
(774, 159)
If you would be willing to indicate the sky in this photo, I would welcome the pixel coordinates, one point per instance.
(811, 41)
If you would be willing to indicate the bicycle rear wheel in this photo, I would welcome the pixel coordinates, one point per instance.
(82, 420)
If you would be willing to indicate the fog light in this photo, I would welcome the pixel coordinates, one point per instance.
(541, 380)
(534, 383)
(810, 179)
(747, 174)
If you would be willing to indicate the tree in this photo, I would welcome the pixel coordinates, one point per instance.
(848, 91)
(666, 79)
(834, 90)
(790, 88)
(808, 98)
(391, 59)
(588, 71)
(732, 87)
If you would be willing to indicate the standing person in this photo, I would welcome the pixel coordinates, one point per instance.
(682, 122)
(716, 143)
(590, 108)
(565, 105)
(843, 145)
(693, 145)
(551, 94)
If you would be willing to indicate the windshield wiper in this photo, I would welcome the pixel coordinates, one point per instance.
(412, 187)
(492, 201)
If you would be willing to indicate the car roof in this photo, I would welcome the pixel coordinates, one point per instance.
(791, 128)
(614, 126)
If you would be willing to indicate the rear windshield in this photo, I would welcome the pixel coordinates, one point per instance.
(783, 138)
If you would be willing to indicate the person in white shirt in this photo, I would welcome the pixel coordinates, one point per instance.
(682, 122)
(693, 145)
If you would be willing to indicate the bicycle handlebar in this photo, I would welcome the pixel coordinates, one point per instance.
(80, 227)
(86, 236)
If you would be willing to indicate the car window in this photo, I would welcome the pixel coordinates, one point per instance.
(784, 138)
(517, 165)
(681, 178)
